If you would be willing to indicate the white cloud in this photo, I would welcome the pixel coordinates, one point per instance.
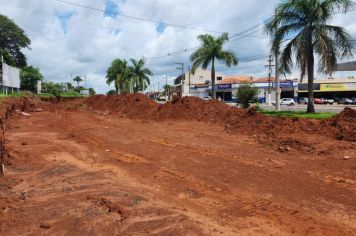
(70, 40)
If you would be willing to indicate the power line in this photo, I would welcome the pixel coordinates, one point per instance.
(138, 18)
(81, 22)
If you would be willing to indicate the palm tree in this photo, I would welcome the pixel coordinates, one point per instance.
(78, 79)
(211, 49)
(307, 22)
(119, 73)
(140, 75)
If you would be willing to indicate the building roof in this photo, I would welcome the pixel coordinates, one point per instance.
(235, 79)
(264, 80)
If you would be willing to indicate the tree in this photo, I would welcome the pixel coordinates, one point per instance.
(12, 40)
(78, 79)
(209, 52)
(53, 88)
(111, 92)
(119, 73)
(245, 94)
(307, 22)
(168, 90)
(92, 92)
(29, 76)
(140, 75)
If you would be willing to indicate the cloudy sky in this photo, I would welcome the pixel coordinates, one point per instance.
(68, 39)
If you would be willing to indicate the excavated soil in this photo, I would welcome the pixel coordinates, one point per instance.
(124, 165)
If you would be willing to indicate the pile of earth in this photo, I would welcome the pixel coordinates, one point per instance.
(26, 103)
(130, 105)
(342, 126)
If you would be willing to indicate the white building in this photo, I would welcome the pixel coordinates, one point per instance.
(198, 84)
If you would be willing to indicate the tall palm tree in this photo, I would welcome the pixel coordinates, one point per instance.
(211, 49)
(140, 75)
(307, 22)
(119, 73)
(78, 79)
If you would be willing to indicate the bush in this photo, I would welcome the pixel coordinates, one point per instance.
(111, 92)
(246, 94)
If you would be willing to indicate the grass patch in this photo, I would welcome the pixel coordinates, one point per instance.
(299, 114)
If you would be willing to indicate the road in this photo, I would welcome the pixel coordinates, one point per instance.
(298, 107)
(82, 172)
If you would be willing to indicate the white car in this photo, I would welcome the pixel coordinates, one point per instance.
(288, 101)
(206, 98)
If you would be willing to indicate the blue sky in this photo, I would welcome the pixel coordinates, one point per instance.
(67, 39)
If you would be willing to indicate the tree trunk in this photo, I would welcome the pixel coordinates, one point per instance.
(310, 108)
(213, 79)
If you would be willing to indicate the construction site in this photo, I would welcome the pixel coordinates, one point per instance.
(125, 165)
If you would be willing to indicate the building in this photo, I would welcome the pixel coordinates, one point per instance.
(330, 88)
(228, 87)
(196, 84)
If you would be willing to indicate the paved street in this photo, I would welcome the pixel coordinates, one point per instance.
(318, 108)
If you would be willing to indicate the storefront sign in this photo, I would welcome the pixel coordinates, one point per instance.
(286, 84)
(224, 86)
(338, 87)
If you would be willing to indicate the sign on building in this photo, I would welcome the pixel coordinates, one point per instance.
(338, 87)
(11, 76)
(224, 86)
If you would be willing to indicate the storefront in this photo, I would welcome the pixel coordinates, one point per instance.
(330, 89)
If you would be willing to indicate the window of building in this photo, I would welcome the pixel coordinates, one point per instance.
(219, 78)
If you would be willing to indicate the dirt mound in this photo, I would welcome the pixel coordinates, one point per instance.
(249, 121)
(193, 108)
(131, 105)
(9, 105)
(345, 125)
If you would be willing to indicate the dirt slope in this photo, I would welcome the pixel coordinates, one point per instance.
(76, 171)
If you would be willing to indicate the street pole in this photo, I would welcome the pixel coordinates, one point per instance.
(182, 80)
(278, 89)
(269, 66)
(166, 88)
(189, 80)
(2, 76)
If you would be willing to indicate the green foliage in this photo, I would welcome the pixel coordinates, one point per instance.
(78, 89)
(297, 114)
(111, 92)
(178, 80)
(128, 78)
(78, 79)
(211, 49)
(29, 76)
(305, 23)
(119, 74)
(12, 40)
(70, 94)
(92, 92)
(246, 94)
(140, 75)
(52, 88)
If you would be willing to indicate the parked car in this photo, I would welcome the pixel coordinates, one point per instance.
(162, 98)
(328, 101)
(354, 101)
(345, 101)
(303, 101)
(207, 98)
(288, 101)
(318, 101)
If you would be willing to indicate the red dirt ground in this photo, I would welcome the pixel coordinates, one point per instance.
(128, 166)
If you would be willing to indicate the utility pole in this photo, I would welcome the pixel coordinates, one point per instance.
(278, 89)
(182, 78)
(166, 88)
(269, 66)
(189, 79)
